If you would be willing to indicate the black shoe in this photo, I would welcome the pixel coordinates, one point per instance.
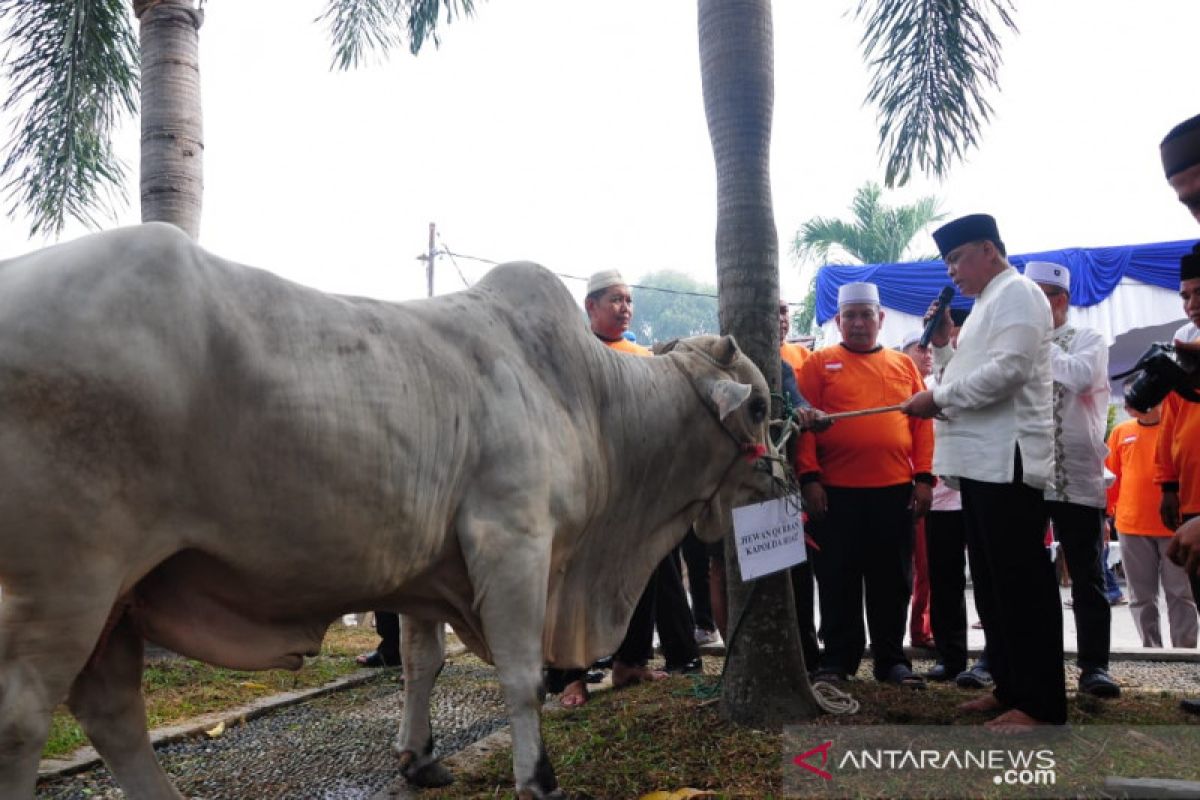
(693, 667)
(1190, 705)
(376, 659)
(602, 663)
(827, 675)
(942, 673)
(1098, 683)
(977, 677)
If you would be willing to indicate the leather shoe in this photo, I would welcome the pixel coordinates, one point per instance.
(1191, 705)
(1098, 683)
(693, 667)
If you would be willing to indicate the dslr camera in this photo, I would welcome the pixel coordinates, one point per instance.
(1161, 372)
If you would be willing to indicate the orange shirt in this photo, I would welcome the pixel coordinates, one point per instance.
(1131, 448)
(625, 346)
(1177, 459)
(869, 451)
(795, 355)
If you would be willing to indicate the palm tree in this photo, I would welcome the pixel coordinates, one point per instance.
(877, 234)
(75, 71)
(932, 59)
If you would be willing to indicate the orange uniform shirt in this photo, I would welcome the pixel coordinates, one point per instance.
(795, 355)
(1133, 495)
(1177, 459)
(626, 346)
(869, 451)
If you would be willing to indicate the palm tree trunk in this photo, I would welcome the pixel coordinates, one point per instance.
(766, 683)
(172, 181)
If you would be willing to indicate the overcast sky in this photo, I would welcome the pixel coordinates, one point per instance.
(573, 134)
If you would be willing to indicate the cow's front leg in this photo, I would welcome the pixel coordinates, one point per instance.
(423, 651)
(510, 593)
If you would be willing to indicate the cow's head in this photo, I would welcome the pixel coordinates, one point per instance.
(739, 402)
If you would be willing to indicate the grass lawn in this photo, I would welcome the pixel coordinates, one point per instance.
(177, 689)
(668, 736)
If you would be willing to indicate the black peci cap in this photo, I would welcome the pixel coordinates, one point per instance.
(1180, 148)
(971, 228)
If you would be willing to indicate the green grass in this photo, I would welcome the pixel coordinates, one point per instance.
(665, 737)
(176, 690)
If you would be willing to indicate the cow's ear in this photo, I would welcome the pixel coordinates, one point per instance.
(726, 350)
(728, 395)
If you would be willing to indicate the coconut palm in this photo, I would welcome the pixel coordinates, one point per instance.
(932, 60)
(75, 72)
(878, 234)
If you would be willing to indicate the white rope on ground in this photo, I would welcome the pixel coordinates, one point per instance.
(833, 700)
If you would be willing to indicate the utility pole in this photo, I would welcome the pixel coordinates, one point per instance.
(429, 258)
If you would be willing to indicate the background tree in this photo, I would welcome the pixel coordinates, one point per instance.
(877, 234)
(75, 71)
(688, 309)
(931, 60)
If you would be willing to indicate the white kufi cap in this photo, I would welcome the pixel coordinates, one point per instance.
(858, 293)
(1049, 273)
(603, 280)
(910, 338)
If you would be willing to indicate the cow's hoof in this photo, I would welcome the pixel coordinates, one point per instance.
(429, 775)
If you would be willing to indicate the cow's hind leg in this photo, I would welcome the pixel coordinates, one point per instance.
(106, 698)
(423, 652)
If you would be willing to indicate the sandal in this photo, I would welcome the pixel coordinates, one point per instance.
(902, 675)
(375, 659)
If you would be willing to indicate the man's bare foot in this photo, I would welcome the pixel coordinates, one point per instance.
(1013, 721)
(981, 705)
(630, 675)
(574, 694)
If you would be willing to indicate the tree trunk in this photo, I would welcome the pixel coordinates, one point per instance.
(172, 181)
(766, 683)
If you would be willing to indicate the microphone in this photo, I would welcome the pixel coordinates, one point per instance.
(943, 302)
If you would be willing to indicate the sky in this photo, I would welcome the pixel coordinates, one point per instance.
(573, 134)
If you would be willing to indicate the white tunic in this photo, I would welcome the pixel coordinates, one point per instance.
(1079, 367)
(995, 389)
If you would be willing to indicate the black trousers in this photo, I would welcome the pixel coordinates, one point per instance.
(1016, 595)
(803, 589)
(865, 542)
(387, 625)
(663, 604)
(945, 546)
(1080, 533)
(695, 555)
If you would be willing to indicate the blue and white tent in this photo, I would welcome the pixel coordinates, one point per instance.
(1130, 294)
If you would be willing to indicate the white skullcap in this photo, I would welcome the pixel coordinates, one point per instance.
(910, 338)
(1049, 272)
(603, 280)
(858, 293)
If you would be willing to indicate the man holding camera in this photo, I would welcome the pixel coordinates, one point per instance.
(994, 441)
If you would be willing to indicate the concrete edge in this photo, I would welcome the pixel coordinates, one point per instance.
(86, 757)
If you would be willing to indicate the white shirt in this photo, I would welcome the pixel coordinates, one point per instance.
(995, 389)
(1079, 367)
(1188, 333)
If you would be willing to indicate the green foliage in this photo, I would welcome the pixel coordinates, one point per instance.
(689, 309)
(357, 27)
(74, 72)
(931, 61)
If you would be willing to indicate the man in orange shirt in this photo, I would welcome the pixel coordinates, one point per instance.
(794, 355)
(857, 480)
(1144, 538)
(920, 631)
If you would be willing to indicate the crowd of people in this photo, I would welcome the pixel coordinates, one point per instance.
(984, 444)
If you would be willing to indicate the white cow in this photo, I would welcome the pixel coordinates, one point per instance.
(224, 462)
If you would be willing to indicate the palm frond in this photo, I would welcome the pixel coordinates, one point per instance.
(360, 28)
(73, 68)
(931, 63)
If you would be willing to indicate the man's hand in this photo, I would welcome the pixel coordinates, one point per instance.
(1184, 548)
(815, 501)
(921, 405)
(922, 499)
(811, 419)
(941, 334)
(1168, 509)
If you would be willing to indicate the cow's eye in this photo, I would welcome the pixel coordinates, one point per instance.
(758, 410)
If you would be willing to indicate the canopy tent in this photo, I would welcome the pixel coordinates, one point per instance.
(1130, 294)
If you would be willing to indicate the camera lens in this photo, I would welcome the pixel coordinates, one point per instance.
(1147, 390)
